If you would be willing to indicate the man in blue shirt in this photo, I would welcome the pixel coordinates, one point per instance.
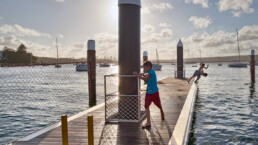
(152, 93)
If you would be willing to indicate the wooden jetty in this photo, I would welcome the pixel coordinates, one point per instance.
(173, 93)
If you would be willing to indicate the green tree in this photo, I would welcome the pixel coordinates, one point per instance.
(22, 48)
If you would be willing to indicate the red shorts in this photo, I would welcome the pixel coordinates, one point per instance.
(149, 98)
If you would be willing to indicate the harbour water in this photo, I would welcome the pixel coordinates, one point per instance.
(35, 97)
(226, 108)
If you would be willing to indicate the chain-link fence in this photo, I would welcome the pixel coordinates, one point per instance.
(126, 107)
(33, 97)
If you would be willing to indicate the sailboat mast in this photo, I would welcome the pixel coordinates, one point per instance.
(200, 55)
(56, 51)
(219, 53)
(238, 46)
(188, 56)
(31, 58)
(157, 56)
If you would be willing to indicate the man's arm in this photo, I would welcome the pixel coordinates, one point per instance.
(206, 67)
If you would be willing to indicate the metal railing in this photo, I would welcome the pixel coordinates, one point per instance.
(132, 104)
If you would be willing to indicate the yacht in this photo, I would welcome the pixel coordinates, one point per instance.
(157, 66)
(238, 64)
(104, 65)
(81, 67)
(57, 64)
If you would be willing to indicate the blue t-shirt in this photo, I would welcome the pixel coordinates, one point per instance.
(152, 83)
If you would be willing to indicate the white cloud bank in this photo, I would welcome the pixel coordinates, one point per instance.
(164, 25)
(156, 7)
(18, 30)
(148, 28)
(200, 22)
(204, 3)
(236, 7)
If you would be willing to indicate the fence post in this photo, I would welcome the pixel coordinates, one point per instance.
(90, 131)
(252, 66)
(91, 56)
(64, 130)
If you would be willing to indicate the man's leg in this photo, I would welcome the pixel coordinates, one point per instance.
(190, 79)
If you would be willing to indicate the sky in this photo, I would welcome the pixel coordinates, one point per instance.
(208, 26)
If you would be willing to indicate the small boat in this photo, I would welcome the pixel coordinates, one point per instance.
(104, 65)
(194, 65)
(157, 66)
(57, 65)
(190, 63)
(81, 67)
(238, 64)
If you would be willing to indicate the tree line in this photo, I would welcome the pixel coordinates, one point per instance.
(18, 57)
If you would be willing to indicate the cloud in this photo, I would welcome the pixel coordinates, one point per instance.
(164, 25)
(1, 18)
(157, 7)
(79, 45)
(148, 28)
(13, 42)
(162, 6)
(60, 0)
(60, 36)
(236, 7)
(18, 30)
(146, 10)
(248, 33)
(200, 22)
(106, 43)
(204, 3)
(166, 33)
(218, 39)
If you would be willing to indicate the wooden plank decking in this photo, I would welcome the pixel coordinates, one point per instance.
(173, 93)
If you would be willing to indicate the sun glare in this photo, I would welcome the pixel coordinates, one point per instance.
(114, 11)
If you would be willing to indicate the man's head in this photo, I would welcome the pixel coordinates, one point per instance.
(205, 74)
(147, 65)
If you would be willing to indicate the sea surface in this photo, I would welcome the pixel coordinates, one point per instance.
(32, 98)
(226, 109)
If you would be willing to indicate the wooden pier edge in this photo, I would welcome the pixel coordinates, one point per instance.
(182, 129)
(53, 126)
